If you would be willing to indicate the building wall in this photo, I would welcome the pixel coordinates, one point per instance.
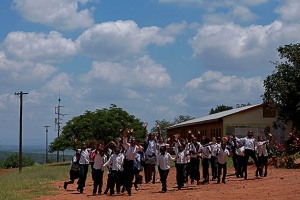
(257, 119)
(212, 129)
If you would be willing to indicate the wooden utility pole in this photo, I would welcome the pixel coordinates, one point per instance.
(20, 94)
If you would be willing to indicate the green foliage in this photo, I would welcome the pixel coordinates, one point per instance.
(219, 108)
(182, 118)
(13, 161)
(101, 124)
(164, 124)
(282, 88)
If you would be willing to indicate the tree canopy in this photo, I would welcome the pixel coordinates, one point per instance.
(282, 88)
(220, 108)
(102, 124)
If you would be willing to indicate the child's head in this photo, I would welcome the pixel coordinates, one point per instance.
(250, 134)
(260, 138)
(162, 149)
(180, 148)
(117, 150)
(84, 145)
(223, 145)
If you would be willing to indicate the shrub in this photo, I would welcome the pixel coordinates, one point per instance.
(13, 161)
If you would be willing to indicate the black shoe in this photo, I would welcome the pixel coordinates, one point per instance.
(123, 190)
(265, 174)
(205, 182)
(218, 181)
(65, 185)
(223, 181)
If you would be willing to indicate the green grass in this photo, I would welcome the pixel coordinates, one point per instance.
(33, 182)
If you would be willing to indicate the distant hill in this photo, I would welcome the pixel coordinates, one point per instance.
(37, 153)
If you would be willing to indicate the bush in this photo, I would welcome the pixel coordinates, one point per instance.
(13, 161)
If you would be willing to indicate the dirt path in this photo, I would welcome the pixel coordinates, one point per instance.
(280, 184)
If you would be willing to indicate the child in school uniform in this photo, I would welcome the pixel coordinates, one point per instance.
(116, 161)
(239, 153)
(214, 159)
(262, 155)
(131, 149)
(74, 170)
(163, 163)
(222, 154)
(206, 155)
(180, 164)
(98, 169)
(137, 167)
(194, 150)
(83, 166)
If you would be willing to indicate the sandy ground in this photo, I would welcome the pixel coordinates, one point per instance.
(279, 184)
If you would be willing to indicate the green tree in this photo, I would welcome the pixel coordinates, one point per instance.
(161, 125)
(104, 124)
(182, 118)
(12, 161)
(282, 88)
(219, 108)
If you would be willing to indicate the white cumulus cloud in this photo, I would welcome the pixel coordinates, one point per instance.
(33, 46)
(142, 72)
(60, 14)
(120, 39)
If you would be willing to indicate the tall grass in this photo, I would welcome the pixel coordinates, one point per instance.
(33, 182)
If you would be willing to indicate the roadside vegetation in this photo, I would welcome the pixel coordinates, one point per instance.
(33, 182)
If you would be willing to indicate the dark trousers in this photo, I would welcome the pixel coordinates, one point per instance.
(250, 153)
(263, 163)
(235, 162)
(163, 178)
(214, 166)
(83, 170)
(180, 175)
(220, 168)
(194, 169)
(98, 180)
(240, 166)
(205, 168)
(128, 175)
(116, 180)
(149, 170)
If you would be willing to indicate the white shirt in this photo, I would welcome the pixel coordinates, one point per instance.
(151, 149)
(131, 151)
(99, 161)
(249, 143)
(214, 149)
(116, 162)
(181, 157)
(163, 161)
(222, 156)
(262, 148)
(206, 152)
(194, 151)
(84, 156)
(240, 151)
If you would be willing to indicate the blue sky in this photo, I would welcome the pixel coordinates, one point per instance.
(156, 59)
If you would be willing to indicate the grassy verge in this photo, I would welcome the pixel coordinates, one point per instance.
(33, 182)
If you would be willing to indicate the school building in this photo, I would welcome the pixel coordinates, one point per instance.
(239, 121)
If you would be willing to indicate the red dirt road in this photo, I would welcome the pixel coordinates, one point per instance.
(280, 184)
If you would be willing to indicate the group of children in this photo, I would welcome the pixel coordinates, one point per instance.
(125, 158)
